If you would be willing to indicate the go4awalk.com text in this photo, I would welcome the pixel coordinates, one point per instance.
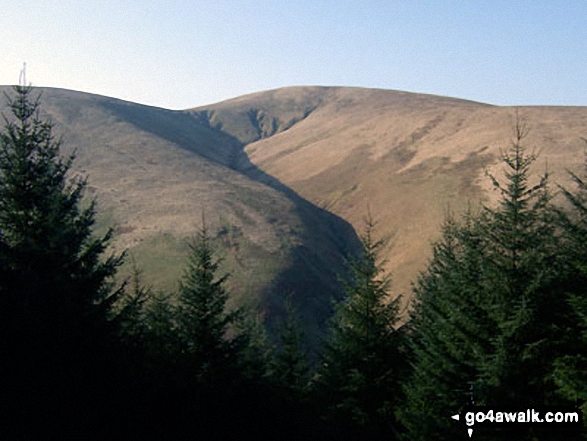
(500, 420)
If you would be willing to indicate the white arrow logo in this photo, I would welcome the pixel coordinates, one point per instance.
(457, 417)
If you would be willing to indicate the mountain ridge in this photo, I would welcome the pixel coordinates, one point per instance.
(155, 172)
(408, 158)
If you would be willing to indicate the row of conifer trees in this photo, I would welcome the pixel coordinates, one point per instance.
(500, 313)
(499, 318)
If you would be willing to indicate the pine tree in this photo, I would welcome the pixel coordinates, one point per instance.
(203, 319)
(159, 332)
(571, 367)
(290, 367)
(522, 263)
(358, 376)
(57, 295)
(254, 346)
(570, 373)
(448, 334)
(489, 315)
(53, 281)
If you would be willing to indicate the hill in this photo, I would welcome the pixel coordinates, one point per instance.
(283, 176)
(408, 158)
(155, 173)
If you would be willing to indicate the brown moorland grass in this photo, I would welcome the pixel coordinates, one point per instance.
(408, 158)
(155, 172)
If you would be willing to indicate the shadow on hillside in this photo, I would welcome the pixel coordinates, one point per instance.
(328, 240)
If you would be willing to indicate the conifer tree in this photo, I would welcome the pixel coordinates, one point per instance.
(254, 346)
(57, 294)
(522, 262)
(159, 331)
(570, 373)
(449, 334)
(290, 366)
(571, 367)
(214, 390)
(203, 319)
(53, 281)
(358, 377)
(489, 313)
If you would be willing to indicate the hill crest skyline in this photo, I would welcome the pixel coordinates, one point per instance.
(293, 88)
(409, 158)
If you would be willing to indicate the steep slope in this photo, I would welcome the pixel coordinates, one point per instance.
(408, 158)
(156, 172)
(251, 164)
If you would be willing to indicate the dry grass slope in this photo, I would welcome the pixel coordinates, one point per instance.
(269, 168)
(155, 172)
(408, 158)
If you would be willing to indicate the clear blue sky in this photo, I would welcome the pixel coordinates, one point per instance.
(179, 54)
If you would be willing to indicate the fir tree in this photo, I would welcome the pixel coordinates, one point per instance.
(290, 366)
(253, 345)
(57, 297)
(488, 320)
(570, 373)
(203, 319)
(221, 362)
(522, 263)
(158, 332)
(571, 367)
(358, 376)
(449, 334)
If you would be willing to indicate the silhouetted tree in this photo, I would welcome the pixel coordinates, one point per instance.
(357, 379)
(58, 323)
(203, 319)
(290, 367)
(489, 317)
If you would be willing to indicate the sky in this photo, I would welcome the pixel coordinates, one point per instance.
(182, 54)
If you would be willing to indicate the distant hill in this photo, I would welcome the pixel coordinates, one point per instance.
(408, 158)
(283, 176)
(156, 172)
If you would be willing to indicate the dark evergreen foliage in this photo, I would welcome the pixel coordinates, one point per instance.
(449, 335)
(208, 367)
(571, 367)
(490, 313)
(203, 320)
(290, 367)
(59, 321)
(522, 261)
(499, 319)
(254, 346)
(357, 380)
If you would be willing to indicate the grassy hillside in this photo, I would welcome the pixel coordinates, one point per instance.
(275, 173)
(156, 172)
(408, 158)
